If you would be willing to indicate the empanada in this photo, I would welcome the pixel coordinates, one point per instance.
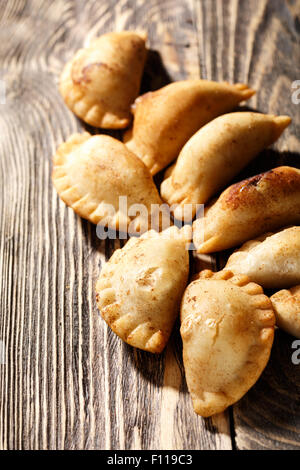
(140, 288)
(227, 329)
(91, 173)
(165, 119)
(273, 260)
(249, 208)
(216, 153)
(102, 81)
(286, 304)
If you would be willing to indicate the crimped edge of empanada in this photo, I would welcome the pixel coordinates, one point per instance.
(282, 302)
(82, 204)
(148, 160)
(139, 149)
(142, 336)
(85, 108)
(215, 402)
(90, 112)
(66, 191)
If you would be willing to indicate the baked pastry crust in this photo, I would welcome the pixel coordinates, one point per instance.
(286, 304)
(247, 209)
(165, 119)
(272, 260)
(227, 329)
(216, 153)
(92, 172)
(102, 80)
(140, 287)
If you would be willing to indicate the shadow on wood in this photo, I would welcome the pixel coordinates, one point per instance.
(277, 389)
(155, 74)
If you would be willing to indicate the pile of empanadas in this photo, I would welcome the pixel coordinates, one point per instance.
(227, 323)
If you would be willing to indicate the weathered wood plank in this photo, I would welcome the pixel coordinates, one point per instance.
(69, 382)
(258, 43)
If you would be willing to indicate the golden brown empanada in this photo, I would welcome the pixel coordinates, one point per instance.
(215, 154)
(165, 119)
(286, 304)
(140, 288)
(227, 329)
(91, 173)
(247, 209)
(272, 260)
(101, 82)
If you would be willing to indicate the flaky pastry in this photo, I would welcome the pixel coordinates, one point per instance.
(215, 154)
(140, 287)
(272, 260)
(91, 173)
(286, 304)
(165, 119)
(249, 208)
(102, 80)
(227, 329)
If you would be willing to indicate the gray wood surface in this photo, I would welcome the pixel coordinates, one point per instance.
(68, 381)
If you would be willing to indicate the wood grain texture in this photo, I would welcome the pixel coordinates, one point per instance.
(68, 381)
(263, 49)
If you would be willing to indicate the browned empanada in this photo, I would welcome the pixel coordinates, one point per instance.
(91, 173)
(215, 154)
(227, 329)
(165, 119)
(250, 208)
(101, 82)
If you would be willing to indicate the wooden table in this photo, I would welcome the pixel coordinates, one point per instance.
(68, 381)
